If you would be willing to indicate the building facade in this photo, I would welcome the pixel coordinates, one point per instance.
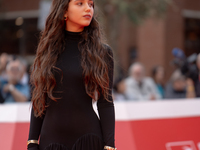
(153, 41)
(150, 43)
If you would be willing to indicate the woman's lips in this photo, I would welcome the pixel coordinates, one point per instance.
(87, 16)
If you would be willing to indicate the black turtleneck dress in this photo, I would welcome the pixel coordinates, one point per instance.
(71, 123)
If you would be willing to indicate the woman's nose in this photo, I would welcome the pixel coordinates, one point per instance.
(88, 8)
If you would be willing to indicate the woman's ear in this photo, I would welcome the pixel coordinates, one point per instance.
(65, 16)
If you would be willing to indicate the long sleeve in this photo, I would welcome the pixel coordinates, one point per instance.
(34, 130)
(106, 109)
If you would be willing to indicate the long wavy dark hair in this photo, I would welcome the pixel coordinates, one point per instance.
(93, 52)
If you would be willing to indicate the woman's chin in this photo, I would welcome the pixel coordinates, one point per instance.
(85, 24)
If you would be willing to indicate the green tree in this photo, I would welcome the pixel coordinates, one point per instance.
(136, 10)
(111, 13)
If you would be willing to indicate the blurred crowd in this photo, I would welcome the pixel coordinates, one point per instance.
(14, 79)
(183, 83)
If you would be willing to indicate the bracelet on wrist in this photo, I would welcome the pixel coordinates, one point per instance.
(109, 148)
(32, 141)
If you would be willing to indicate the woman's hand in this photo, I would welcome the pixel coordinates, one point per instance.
(33, 146)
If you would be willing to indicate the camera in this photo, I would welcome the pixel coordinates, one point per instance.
(187, 65)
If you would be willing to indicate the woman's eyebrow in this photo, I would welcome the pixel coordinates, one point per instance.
(82, 0)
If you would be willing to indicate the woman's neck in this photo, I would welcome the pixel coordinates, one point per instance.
(74, 28)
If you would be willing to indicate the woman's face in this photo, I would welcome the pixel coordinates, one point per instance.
(79, 15)
(160, 74)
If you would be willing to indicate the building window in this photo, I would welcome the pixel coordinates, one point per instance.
(192, 36)
(19, 36)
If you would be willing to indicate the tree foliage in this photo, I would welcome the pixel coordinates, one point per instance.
(136, 10)
(113, 12)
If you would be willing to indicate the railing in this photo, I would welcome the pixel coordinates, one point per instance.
(155, 125)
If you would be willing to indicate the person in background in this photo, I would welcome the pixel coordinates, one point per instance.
(158, 77)
(197, 77)
(138, 86)
(189, 67)
(4, 59)
(11, 88)
(179, 87)
(119, 89)
(25, 76)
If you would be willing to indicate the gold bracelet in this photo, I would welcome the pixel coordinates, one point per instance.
(109, 148)
(32, 141)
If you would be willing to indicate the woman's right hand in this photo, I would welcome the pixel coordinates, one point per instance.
(33, 146)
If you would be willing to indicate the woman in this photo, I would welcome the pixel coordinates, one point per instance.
(71, 68)
(158, 76)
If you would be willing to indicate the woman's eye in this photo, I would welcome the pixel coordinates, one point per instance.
(91, 4)
(80, 3)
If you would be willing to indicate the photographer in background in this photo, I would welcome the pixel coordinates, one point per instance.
(179, 87)
(189, 66)
(197, 77)
(4, 59)
(11, 88)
